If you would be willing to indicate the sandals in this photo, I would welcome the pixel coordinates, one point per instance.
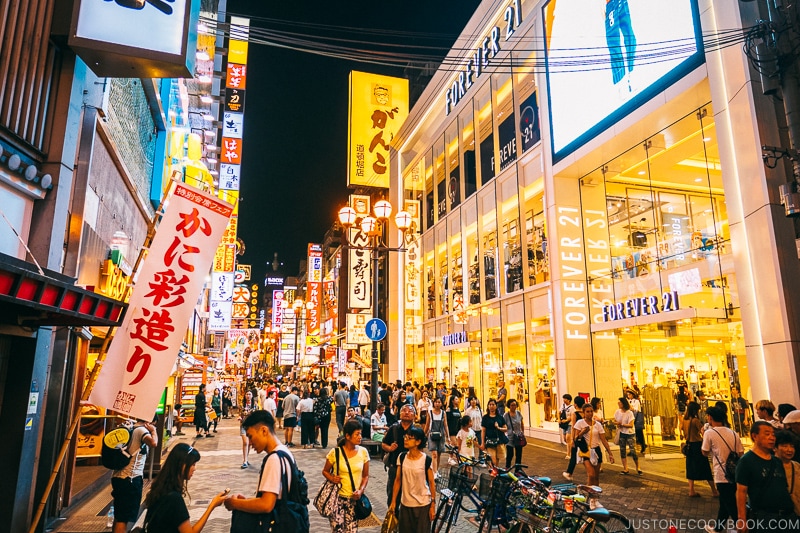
(625, 472)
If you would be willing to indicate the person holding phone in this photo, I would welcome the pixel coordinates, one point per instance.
(166, 509)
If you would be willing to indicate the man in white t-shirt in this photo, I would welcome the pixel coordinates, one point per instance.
(260, 430)
(718, 442)
(378, 422)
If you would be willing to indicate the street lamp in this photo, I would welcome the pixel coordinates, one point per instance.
(372, 227)
(297, 308)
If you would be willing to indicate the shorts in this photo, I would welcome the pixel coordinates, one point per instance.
(289, 421)
(242, 431)
(127, 494)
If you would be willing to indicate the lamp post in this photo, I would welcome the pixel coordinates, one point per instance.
(373, 228)
(298, 306)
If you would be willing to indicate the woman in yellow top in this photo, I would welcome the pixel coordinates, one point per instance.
(352, 459)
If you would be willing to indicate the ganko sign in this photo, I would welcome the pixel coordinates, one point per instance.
(645, 305)
(489, 48)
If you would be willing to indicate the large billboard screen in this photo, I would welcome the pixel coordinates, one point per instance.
(605, 59)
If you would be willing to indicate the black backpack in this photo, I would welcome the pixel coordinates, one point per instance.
(730, 463)
(115, 453)
(291, 509)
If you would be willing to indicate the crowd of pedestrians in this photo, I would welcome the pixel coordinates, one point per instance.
(411, 426)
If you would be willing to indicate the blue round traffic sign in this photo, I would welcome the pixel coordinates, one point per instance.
(375, 329)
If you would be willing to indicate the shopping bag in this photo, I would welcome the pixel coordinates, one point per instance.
(389, 523)
(326, 499)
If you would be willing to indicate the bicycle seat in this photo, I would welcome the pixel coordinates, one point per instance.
(599, 514)
(546, 481)
(591, 490)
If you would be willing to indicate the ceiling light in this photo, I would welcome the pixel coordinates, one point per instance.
(202, 55)
(206, 99)
(204, 78)
(706, 139)
(698, 180)
(642, 172)
(208, 116)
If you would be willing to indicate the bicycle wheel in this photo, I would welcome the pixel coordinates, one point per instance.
(618, 523)
(521, 527)
(442, 514)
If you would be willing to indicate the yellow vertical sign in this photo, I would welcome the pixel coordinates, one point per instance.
(378, 108)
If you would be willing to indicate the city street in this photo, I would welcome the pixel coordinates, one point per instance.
(650, 500)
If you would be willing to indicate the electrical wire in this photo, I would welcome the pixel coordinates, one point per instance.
(334, 42)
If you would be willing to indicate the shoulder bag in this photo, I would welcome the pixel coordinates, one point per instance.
(363, 505)
(325, 501)
(588, 452)
(242, 522)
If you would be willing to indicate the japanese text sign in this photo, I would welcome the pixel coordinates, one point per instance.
(378, 107)
(144, 349)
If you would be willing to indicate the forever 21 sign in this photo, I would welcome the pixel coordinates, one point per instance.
(479, 60)
(645, 305)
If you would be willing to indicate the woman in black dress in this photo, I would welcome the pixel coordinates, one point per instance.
(200, 420)
(697, 465)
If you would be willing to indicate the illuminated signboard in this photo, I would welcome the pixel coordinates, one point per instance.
(136, 38)
(645, 305)
(599, 69)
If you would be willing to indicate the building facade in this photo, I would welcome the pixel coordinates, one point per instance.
(595, 215)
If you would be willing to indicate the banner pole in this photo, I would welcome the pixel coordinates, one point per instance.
(151, 231)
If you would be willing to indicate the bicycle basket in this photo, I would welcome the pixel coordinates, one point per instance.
(462, 483)
(485, 486)
(445, 479)
(500, 489)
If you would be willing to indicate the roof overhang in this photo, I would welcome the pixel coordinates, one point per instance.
(50, 299)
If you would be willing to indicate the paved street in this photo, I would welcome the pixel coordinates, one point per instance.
(650, 500)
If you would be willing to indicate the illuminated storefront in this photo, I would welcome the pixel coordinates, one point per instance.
(584, 230)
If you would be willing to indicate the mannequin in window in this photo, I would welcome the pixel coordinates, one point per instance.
(638, 239)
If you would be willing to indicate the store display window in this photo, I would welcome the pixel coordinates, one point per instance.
(467, 128)
(440, 178)
(487, 204)
(483, 116)
(456, 266)
(443, 285)
(430, 203)
(429, 273)
(510, 234)
(431, 370)
(454, 188)
(492, 345)
(526, 97)
(669, 241)
(515, 359)
(504, 116)
(541, 363)
(470, 233)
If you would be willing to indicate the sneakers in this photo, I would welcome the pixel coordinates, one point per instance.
(209, 436)
(436, 475)
(567, 476)
(245, 465)
(567, 457)
(452, 462)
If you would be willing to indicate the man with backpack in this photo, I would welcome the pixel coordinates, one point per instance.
(394, 444)
(724, 447)
(282, 489)
(126, 483)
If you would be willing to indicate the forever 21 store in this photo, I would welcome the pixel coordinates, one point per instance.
(601, 223)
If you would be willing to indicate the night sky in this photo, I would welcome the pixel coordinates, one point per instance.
(294, 161)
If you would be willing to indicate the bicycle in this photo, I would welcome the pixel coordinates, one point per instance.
(452, 487)
(570, 509)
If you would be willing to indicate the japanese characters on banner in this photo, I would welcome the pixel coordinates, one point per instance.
(143, 352)
(314, 288)
(359, 272)
(413, 259)
(277, 310)
(378, 107)
(330, 300)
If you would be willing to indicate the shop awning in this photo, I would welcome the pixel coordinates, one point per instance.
(30, 298)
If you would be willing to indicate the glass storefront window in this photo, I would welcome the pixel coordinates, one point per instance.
(668, 235)
(541, 363)
(440, 178)
(470, 214)
(488, 235)
(510, 231)
(453, 175)
(492, 356)
(468, 149)
(505, 117)
(515, 360)
(456, 265)
(483, 114)
(443, 285)
(526, 97)
(431, 357)
(429, 269)
(430, 203)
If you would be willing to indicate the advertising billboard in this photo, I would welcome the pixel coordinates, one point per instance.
(604, 62)
(378, 107)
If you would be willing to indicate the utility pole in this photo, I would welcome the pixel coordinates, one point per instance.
(772, 47)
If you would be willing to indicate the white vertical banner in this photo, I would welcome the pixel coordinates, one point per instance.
(360, 272)
(144, 349)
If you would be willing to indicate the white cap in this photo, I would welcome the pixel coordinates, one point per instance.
(792, 417)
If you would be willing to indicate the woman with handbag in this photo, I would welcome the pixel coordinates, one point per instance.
(697, 465)
(624, 420)
(588, 435)
(437, 433)
(347, 466)
(424, 406)
(493, 434)
(515, 434)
